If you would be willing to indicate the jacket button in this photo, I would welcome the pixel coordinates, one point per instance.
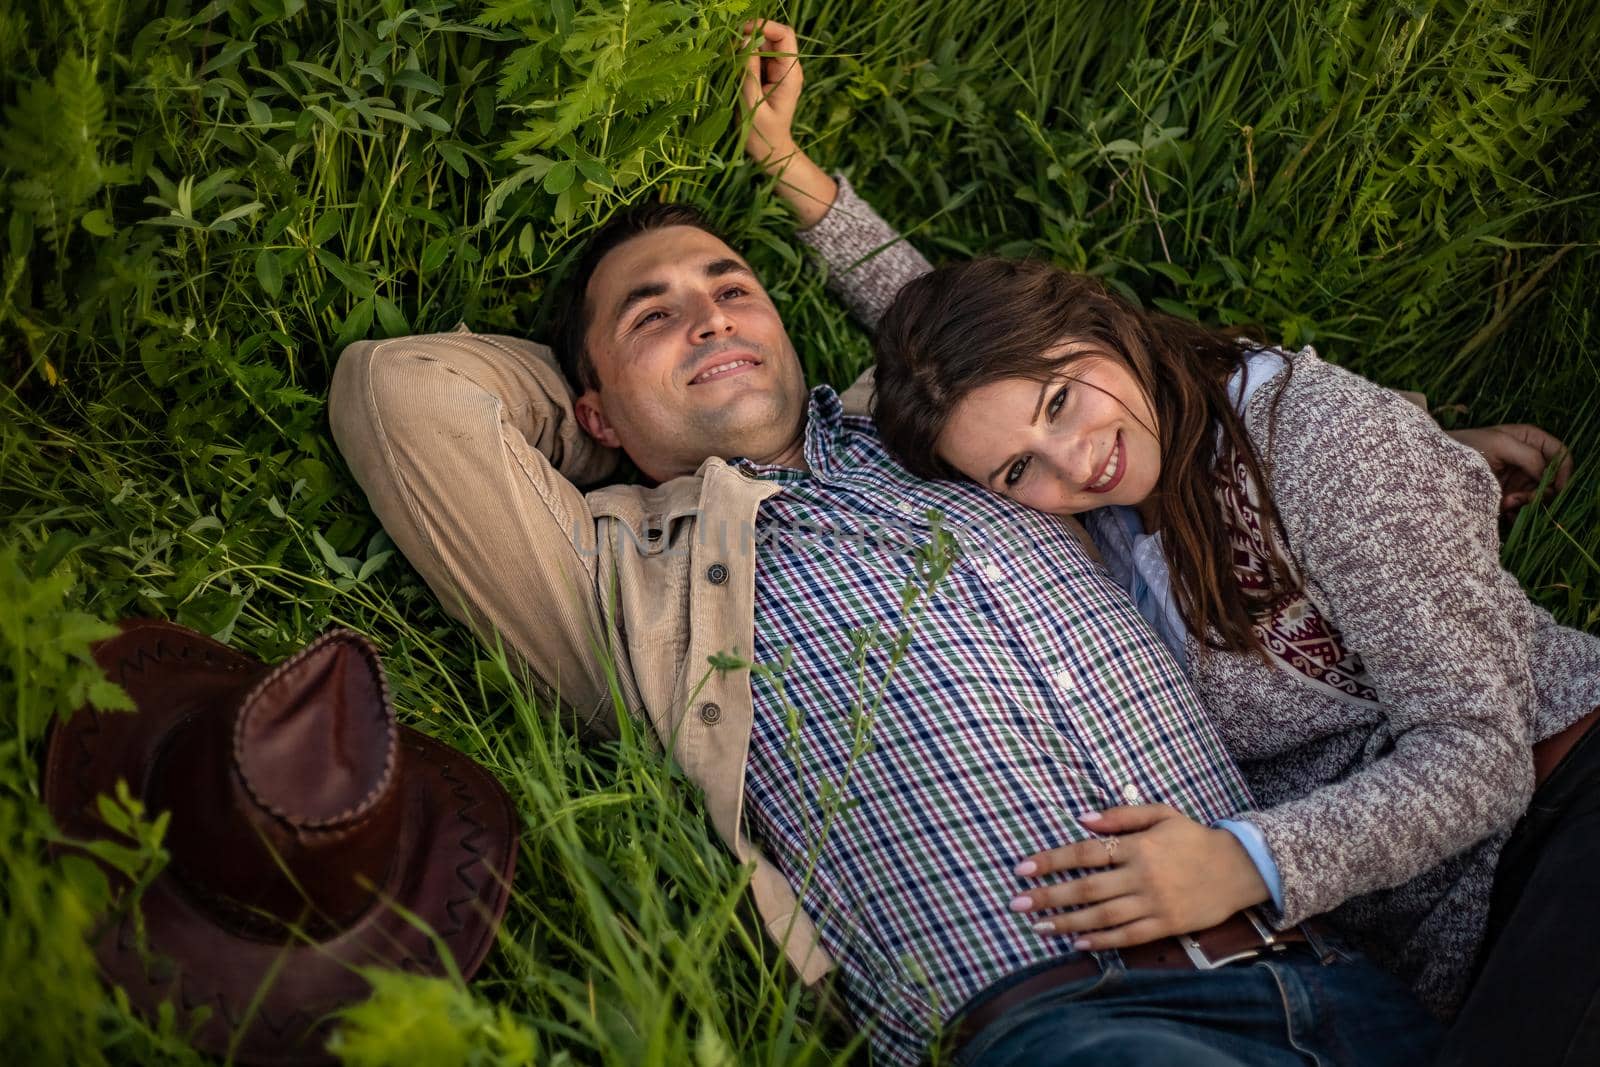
(716, 574)
(710, 714)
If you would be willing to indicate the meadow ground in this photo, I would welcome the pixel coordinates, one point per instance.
(204, 202)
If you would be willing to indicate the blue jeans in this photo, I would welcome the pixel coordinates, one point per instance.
(1286, 1009)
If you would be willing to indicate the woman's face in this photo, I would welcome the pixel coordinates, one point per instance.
(1082, 440)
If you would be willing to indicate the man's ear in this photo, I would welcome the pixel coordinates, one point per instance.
(592, 417)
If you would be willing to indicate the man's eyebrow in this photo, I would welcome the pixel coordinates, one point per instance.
(1043, 389)
(715, 269)
(636, 294)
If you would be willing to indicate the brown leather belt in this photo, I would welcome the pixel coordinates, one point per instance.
(1242, 936)
(1549, 753)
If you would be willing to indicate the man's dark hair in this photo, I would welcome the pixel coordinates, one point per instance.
(575, 314)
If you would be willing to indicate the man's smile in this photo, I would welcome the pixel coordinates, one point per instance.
(726, 367)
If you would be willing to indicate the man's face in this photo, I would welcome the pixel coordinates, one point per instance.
(691, 356)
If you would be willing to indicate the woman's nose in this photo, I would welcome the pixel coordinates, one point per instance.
(1075, 461)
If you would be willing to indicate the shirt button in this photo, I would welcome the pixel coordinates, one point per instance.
(993, 573)
(906, 507)
(710, 714)
(1064, 679)
(1131, 794)
(716, 574)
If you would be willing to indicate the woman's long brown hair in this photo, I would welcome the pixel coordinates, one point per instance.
(986, 320)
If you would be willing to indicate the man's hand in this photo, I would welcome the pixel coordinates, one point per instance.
(1159, 873)
(1519, 455)
(769, 93)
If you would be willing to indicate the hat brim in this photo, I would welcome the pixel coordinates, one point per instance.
(270, 1002)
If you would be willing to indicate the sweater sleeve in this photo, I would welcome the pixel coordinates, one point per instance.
(1566, 672)
(1394, 526)
(867, 260)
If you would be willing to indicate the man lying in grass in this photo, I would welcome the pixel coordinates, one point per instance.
(917, 716)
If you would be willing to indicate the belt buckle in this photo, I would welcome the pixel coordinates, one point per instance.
(1202, 962)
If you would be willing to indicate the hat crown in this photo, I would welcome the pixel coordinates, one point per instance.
(315, 741)
(281, 798)
(354, 843)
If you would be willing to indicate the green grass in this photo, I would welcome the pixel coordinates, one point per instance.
(205, 202)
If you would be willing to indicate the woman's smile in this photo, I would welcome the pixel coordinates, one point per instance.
(1111, 473)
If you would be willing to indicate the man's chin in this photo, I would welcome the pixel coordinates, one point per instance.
(746, 396)
(742, 421)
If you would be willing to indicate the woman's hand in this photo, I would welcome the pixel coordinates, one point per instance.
(769, 93)
(1164, 874)
(1519, 455)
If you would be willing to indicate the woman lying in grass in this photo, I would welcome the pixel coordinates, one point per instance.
(1325, 562)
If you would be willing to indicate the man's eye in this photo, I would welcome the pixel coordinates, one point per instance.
(733, 290)
(1014, 472)
(1057, 400)
(646, 318)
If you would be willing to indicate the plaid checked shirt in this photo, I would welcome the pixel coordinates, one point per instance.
(1030, 691)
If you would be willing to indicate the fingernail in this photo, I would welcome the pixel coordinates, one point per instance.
(1090, 816)
(1044, 928)
(1081, 944)
(1025, 868)
(1021, 903)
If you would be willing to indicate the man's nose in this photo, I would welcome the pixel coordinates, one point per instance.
(710, 320)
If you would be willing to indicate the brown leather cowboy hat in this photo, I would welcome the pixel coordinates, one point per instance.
(306, 825)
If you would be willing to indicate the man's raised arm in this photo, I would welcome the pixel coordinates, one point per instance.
(467, 449)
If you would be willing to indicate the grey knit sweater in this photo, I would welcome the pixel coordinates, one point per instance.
(1388, 813)
(1391, 814)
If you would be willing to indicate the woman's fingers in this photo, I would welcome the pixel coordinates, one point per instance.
(778, 37)
(750, 90)
(1075, 892)
(1118, 911)
(1519, 455)
(1127, 819)
(1549, 446)
(773, 78)
(1096, 852)
(1138, 932)
(784, 74)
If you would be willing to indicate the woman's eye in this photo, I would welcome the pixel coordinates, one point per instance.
(1057, 400)
(1014, 472)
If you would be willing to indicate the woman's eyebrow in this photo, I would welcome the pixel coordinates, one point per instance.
(1037, 407)
(996, 472)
